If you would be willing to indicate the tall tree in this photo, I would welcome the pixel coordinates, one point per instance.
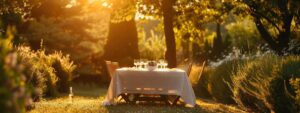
(164, 9)
(168, 15)
(273, 20)
(14, 13)
(193, 16)
(122, 41)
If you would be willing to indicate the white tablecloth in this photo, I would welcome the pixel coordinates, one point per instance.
(143, 81)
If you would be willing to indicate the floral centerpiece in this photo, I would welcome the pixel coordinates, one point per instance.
(152, 65)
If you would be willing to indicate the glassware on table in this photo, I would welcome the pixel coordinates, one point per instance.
(145, 63)
(160, 63)
(142, 63)
(163, 64)
(166, 65)
(136, 62)
(139, 64)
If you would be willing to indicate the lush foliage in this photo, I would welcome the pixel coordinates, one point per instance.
(46, 72)
(204, 30)
(263, 84)
(295, 82)
(79, 33)
(64, 68)
(151, 42)
(27, 74)
(39, 70)
(14, 91)
(274, 20)
(219, 79)
(244, 35)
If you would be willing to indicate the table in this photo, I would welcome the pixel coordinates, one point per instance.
(144, 81)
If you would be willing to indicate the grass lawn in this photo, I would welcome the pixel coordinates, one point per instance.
(88, 100)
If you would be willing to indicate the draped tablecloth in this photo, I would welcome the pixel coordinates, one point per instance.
(144, 81)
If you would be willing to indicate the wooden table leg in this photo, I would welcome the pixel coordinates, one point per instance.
(125, 97)
(165, 99)
(176, 100)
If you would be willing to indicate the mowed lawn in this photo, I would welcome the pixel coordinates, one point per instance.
(88, 99)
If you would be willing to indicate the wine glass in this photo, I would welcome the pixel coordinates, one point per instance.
(143, 63)
(139, 64)
(160, 63)
(165, 64)
(135, 62)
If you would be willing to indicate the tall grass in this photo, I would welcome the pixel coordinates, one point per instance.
(262, 84)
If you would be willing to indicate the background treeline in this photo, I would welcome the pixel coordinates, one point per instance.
(91, 31)
(42, 41)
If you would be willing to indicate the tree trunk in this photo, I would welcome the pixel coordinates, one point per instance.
(284, 36)
(185, 42)
(265, 35)
(168, 13)
(218, 43)
(122, 43)
(280, 43)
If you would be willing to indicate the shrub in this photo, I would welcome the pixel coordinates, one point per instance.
(260, 84)
(295, 82)
(219, 79)
(200, 87)
(244, 35)
(152, 47)
(63, 70)
(48, 73)
(14, 92)
(39, 71)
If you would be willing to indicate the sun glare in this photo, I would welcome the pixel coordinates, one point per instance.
(71, 4)
(141, 16)
(106, 4)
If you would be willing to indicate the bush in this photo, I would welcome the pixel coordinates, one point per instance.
(152, 47)
(244, 35)
(14, 92)
(48, 73)
(262, 84)
(63, 69)
(39, 71)
(200, 87)
(295, 82)
(219, 79)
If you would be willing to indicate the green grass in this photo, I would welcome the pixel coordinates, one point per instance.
(88, 99)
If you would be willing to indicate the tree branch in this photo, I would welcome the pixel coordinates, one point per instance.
(256, 13)
(266, 35)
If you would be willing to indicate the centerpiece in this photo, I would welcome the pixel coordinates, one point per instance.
(152, 65)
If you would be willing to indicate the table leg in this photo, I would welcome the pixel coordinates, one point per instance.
(176, 100)
(125, 97)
